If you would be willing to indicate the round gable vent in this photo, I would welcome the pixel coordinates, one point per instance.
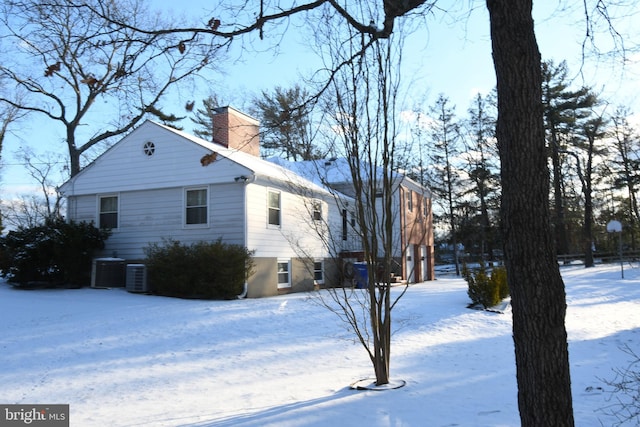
(149, 148)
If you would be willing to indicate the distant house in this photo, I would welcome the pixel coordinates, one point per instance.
(411, 211)
(158, 182)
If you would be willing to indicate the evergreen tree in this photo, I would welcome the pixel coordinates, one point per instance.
(562, 109)
(285, 119)
(589, 134)
(444, 148)
(204, 117)
(481, 155)
(626, 166)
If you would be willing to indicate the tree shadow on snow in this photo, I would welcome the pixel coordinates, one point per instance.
(317, 412)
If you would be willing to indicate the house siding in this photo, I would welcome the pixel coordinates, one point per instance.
(125, 166)
(264, 281)
(150, 216)
(294, 237)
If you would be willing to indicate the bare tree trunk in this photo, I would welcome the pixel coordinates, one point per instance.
(537, 290)
(562, 241)
(587, 229)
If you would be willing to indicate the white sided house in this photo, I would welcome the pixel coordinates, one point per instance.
(158, 183)
(411, 216)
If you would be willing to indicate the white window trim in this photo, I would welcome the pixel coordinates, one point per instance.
(288, 284)
(98, 212)
(321, 261)
(269, 225)
(184, 207)
(316, 203)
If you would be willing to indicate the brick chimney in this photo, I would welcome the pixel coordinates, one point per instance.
(236, 130)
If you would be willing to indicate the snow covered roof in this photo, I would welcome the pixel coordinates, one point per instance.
(335, 171)
(262, 169)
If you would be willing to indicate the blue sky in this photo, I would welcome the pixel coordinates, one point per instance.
(450, 55)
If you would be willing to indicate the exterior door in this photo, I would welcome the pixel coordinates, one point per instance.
(410, 264)
(423, 264)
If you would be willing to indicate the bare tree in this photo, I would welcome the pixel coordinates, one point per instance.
(8, 115)
(365, 121)
(625, 391)
(30, 210)
(362, 103)
(70, 62)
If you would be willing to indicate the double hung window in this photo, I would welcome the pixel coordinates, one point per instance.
(284, 277)
(196, 206)
(273, 208)
(108, 215)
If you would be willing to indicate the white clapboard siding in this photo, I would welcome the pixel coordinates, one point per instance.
(150, 216)
(176, 159)
(297, 235)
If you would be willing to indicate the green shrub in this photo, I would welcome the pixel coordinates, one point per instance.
(207, 270)
(53, 254)
(484, 289)
(499, 278)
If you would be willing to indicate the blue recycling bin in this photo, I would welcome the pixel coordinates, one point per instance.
(361, 275)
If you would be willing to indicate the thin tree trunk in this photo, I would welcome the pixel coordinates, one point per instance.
(562, 241)
(537, 290)
(587, 228)
(588, 206)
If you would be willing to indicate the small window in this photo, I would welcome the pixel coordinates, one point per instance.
(316, 214)
(318, 272)
(345, 224)
(425, 206)
(196, 206)
(149, 148)
(274, 208)
(410, 200)
(108, 217)
(283, 274)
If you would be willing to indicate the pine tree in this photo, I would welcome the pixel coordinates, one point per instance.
(204, 118)
(481, 155)
(444, 147)
(562, 109)
(626, 166)
(590, 133)
(285, 118)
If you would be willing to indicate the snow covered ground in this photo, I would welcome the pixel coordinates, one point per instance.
(122, 359)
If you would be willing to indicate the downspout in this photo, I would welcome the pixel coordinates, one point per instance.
(245, 181)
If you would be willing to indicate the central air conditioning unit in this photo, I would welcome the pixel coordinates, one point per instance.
(137, 278)
(108, 273)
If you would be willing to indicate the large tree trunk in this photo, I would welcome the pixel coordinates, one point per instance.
(537, 290)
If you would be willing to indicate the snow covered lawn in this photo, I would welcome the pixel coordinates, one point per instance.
(122, 359)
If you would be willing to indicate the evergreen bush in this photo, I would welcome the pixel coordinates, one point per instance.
(486, 289)
(207, 270)
(53, 254)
